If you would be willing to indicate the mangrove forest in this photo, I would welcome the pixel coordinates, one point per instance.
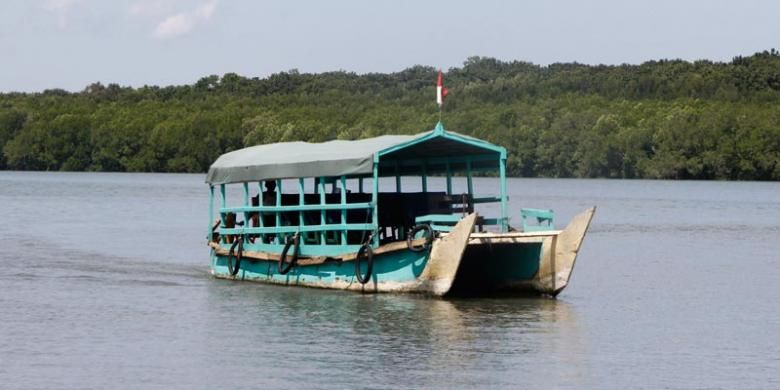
(665, 119)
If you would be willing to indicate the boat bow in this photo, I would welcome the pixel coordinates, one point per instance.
(560, 254)
(446, 255)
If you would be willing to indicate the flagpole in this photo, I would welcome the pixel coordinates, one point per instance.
(440, 93)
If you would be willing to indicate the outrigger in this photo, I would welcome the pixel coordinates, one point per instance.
(357, 237)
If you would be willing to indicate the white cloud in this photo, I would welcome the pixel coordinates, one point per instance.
(182, 23)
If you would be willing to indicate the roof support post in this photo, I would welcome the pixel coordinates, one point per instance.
(211, 211)
(449, 178)
(246, 203)
(343, 182)
(470, 184)
(260, 200)
(504, 197)
(278, 204)
(321, 189)
(222, 201)
(300, 201)
(222, 205)
(424, 176)
(397, 176)
(375, 201)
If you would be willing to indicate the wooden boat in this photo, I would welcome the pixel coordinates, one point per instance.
(355, 237)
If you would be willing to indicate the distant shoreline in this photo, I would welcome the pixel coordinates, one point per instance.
(666, 119)
(431, 176)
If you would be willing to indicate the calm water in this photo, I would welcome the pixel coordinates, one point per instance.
(104, 284)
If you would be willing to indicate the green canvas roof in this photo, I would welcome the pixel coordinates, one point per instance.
(338, 158)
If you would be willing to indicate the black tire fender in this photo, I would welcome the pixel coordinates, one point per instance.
(237, 253)
(366, 250)
(416, 229)
(284, 266)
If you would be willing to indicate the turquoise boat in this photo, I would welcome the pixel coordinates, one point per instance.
(312, 214)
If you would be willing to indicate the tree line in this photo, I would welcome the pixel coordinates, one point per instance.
(667, 119)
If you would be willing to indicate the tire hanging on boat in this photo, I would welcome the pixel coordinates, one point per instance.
(284, 266)
(428, 237)
(234, 268)
(369, 254)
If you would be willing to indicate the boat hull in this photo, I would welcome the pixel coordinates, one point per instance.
(393, 272)
(459, 263)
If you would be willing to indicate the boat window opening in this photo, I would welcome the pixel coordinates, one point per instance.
(361, 185)
(446, 187)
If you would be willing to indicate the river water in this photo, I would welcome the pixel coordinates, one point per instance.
(104, 284)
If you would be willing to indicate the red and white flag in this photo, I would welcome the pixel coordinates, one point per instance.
(441, 92)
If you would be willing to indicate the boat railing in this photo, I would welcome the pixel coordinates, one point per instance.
(339, 222)
(445, 222)
(487, 199)
(543, 217)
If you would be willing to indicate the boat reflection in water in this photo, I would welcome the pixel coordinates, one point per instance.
(409, 338)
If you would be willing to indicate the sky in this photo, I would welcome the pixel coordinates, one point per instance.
(70, 44)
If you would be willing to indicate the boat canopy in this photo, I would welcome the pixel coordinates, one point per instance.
(403, 154)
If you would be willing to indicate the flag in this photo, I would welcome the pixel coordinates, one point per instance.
(441, 92)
